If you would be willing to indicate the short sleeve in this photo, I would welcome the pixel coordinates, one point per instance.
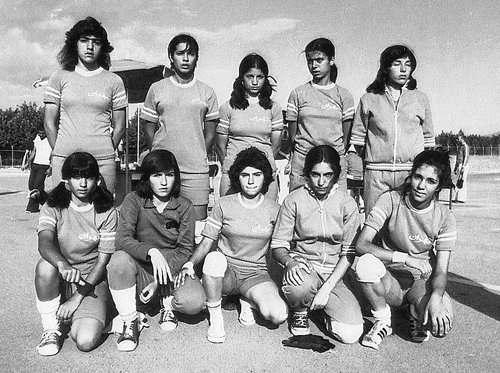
(381, 212)
(212, 106)
(225, 119)
(48, 219)
(347, 106)
(148, 112)
(119, 99)
(351, 226)
(214, 222)
(107, 232)
(285, 225)
(276, 117)
(292, 107)
(53, 89)
(447, 236)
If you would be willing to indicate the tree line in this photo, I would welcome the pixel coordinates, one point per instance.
(18, 127)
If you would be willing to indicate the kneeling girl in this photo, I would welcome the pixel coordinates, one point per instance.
(243, 224)
(155, 238)
(76, 234)
(410, 265)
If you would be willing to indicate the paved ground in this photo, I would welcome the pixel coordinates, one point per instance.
(473, 345)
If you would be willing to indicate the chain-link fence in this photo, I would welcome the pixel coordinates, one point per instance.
(477, 150)
(11, 158)
(14, 157)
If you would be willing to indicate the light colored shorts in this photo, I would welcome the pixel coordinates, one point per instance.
(92, 308)
(238, 280)
(196, 188)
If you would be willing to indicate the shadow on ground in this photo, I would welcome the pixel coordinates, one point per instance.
(474, 295)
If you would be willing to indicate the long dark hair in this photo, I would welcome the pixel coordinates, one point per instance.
(322, 153)
(81, 164)
(238, 96)
(388, 56)
(440, 160)
(250, 157)
(68, 56)
(325, 46)
(159, 160)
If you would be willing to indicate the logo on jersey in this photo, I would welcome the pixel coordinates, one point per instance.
(99, 95)
(259, 228)
(199, 101)
(329, 106)
(422, 239)
(88, 237)
(257, 119)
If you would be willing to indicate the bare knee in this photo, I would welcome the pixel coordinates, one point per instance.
(86, 333)
(189, 298)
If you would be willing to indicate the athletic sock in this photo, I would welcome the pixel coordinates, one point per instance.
(383, 315)
(47, 310)
(167, 302)
(215, 309)
(125, 303)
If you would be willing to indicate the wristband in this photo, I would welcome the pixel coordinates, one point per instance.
(84, 289)
(190, 267)
(399, 257)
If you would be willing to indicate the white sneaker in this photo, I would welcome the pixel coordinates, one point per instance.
(168, 321)
(376, 335)
(247, 316)
(216, 333)
(50, 343)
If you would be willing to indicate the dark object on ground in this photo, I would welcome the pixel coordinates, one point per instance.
(309, 342)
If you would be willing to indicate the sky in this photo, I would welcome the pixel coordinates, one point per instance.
(456, 43)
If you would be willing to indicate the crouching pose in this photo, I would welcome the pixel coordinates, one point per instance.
(155, 238)
(76, 234)
(313, 240)
(410, 266)
(243, 223)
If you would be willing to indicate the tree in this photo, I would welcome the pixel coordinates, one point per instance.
(16, 125)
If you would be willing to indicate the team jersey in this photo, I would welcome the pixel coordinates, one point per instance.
(81, 232)
(419, 233)
(245, 231)
(320, 231)
(319, 112)
(86, 101)
(181, 110)
(250, 127)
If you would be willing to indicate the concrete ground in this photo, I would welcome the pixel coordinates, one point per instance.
(473, 345)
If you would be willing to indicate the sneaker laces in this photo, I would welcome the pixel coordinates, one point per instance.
(50, 336)
(128, 329)
(300, 320)
(166, 315)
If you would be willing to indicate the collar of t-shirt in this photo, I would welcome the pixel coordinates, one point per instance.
(181, 85)
(87, 73)
(423, 211)
(325, 87)
(248, 205)
(84, 208)
(253, 100)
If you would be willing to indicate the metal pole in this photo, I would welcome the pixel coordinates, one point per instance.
(12, 155)
(138, 135)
